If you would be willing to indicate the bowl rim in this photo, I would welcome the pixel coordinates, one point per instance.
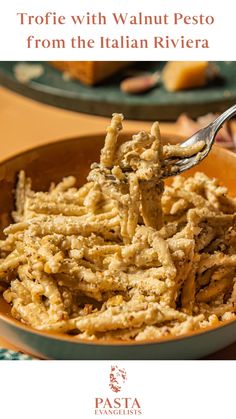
(84, 137)
(111, 342)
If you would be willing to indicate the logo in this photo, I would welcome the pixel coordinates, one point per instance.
(118, 377)
(108, 405)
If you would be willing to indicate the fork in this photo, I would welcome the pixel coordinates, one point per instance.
(173, 166)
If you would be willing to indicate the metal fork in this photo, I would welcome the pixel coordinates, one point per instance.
(173, 166)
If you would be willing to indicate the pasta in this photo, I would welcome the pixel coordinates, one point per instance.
(123, 257)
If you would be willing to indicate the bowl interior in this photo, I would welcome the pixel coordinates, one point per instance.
(52, 162)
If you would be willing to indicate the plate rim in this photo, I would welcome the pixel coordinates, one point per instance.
(45, 93)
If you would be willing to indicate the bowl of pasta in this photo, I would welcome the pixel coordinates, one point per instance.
(101, 259)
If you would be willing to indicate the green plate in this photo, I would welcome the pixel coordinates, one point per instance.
(107, 98)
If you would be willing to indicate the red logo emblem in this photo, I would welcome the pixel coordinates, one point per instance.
(118, 377)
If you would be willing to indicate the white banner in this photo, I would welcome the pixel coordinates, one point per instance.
(132, 30)
(87, 390)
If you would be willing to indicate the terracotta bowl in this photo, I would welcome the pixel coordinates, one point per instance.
(73, 157)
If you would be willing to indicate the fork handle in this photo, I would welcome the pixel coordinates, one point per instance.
(217, 124)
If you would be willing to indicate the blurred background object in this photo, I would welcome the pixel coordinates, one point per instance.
(89, 72)
(193, 87)
(225, 137)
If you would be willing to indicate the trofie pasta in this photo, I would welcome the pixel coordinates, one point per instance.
(122, 257)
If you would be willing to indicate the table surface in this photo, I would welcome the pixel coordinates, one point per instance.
(25, 124)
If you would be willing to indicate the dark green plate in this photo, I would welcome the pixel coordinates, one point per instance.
(107, 98)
